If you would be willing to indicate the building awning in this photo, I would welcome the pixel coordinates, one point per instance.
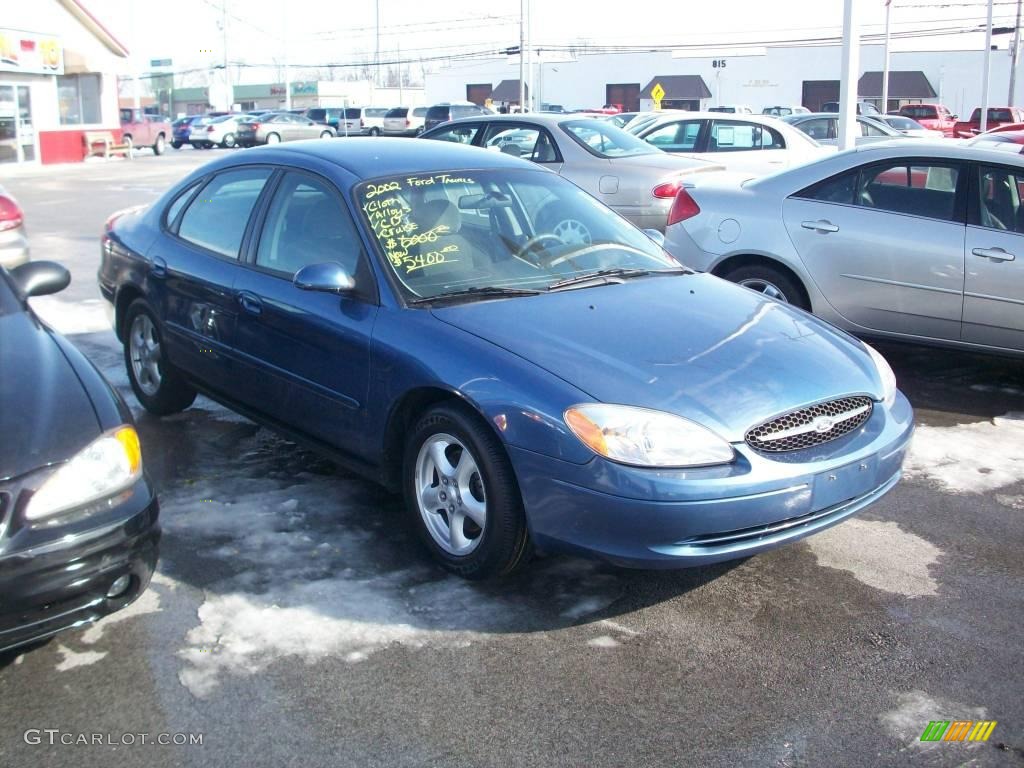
(508, 90)
(903, 84)
(678, 87)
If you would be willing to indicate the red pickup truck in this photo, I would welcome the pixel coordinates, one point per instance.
(935, 117)
(145, 130)
(967, 129)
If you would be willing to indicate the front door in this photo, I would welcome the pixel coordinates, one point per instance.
(305, 355)
(884, 244)
(994, 289)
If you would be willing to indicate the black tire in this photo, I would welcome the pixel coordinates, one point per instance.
(273, 138)
(159, 145)
(173, 394)
(228, 141)
(505, 543)
(176, 145)
(326, 135)
(791, 290)
(375, 131)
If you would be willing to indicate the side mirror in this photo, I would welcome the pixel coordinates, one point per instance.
(328, 277)
(954, 117)
(656, 236)
(41, 278)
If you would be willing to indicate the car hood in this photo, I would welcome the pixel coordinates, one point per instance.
(46, 415)
(693, 345)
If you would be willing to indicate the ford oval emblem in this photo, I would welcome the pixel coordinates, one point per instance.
(823, 424)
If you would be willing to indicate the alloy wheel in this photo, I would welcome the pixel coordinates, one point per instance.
(144, 347)
(767, 288)
(450, 494)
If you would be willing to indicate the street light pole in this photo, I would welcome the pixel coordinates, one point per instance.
(988, 70)
(228, 90)
(287, 70)
(848, 77)
(522, 53)
(885, 66)
(376, 48)
(1014, 56)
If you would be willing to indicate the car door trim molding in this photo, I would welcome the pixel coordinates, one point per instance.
(901, 283)
(1006, 299)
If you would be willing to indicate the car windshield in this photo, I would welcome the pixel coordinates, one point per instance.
(605, 140)
(497, 230)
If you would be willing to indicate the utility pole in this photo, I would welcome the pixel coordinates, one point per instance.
(885, 65)
(522, 53)
(848, 78)
(287, 71)
(1015, 56)
(376, 47)
(224, 43)
(988, 71)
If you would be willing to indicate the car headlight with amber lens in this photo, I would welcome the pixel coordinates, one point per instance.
(108, 465)
(885, 373)
(645, 438)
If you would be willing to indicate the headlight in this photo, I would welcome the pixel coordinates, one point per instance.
(885, 373)
(109, 464)
(646, 438)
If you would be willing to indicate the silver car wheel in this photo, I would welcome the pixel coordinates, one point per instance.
(765, 287)
(144, 347)
(572, 232)
(450, 494)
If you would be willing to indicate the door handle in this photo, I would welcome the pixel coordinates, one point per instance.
(250, 302)
(996, 254)
(820, 226)
(159, 267)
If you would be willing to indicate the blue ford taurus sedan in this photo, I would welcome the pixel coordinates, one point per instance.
(401, 307)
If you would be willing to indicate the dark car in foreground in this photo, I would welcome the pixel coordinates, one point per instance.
(399, 306)
(78, 516)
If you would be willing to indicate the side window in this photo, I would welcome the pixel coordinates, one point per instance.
(676, 137)
(867, 129)
(512, 140)
(216, 218)
(917, 190)
(999, 199)
(838, 189)
(460, 134)
(307, 224)
(816, 128)
(179, 203)
(736, 136)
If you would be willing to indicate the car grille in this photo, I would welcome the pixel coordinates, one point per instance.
(807, 427)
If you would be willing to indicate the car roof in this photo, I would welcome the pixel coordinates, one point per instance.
(948, 150)
(372, 157)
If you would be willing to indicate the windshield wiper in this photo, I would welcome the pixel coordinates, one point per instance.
(473, 291)
(619, 272)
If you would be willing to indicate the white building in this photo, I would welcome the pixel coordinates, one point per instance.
(757, 77)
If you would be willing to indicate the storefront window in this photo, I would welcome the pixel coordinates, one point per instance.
(79, 99)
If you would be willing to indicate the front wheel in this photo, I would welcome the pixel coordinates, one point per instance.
(326, 135)
(156, 383)
(375, 131)
(462, 495)
(273, 138)
(159, 145)
(228, 141)
(176, 145)
(770, 281)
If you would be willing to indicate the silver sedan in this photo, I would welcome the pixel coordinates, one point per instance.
(912, 239)
(631, 177)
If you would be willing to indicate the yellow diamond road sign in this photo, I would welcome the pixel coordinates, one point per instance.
(657, 92)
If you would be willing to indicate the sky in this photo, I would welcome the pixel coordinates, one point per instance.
(319, 32)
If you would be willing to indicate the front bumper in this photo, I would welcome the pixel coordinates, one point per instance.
(649, 518)
(55, 580)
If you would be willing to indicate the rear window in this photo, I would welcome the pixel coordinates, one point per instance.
(316, 114)
(920, 112)
(437, 113)
(1000, 115)
(397, 112)
(376, 111)
(352, 113)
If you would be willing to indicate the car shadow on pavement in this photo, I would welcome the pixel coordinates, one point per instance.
(942, 381)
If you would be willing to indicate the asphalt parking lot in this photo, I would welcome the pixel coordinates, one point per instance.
(294, 619)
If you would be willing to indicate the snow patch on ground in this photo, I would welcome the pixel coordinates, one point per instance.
(604, 641)
(880, 555)
(315, 574)
(1013, 502)
(915, 709)
(970, 458)
(73, 659)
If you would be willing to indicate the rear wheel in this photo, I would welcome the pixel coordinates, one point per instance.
(375, 131)
(176, 144)
(273, 138)
(770, 281)
(156, 383)
(228, 141)
(159, 145)
(326, 135)
(462, 495)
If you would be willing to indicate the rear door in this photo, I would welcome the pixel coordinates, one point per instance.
(994, 289)
(884, 244)
(304, 356)
(740, 145)
(195, 264)
(679, 136)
